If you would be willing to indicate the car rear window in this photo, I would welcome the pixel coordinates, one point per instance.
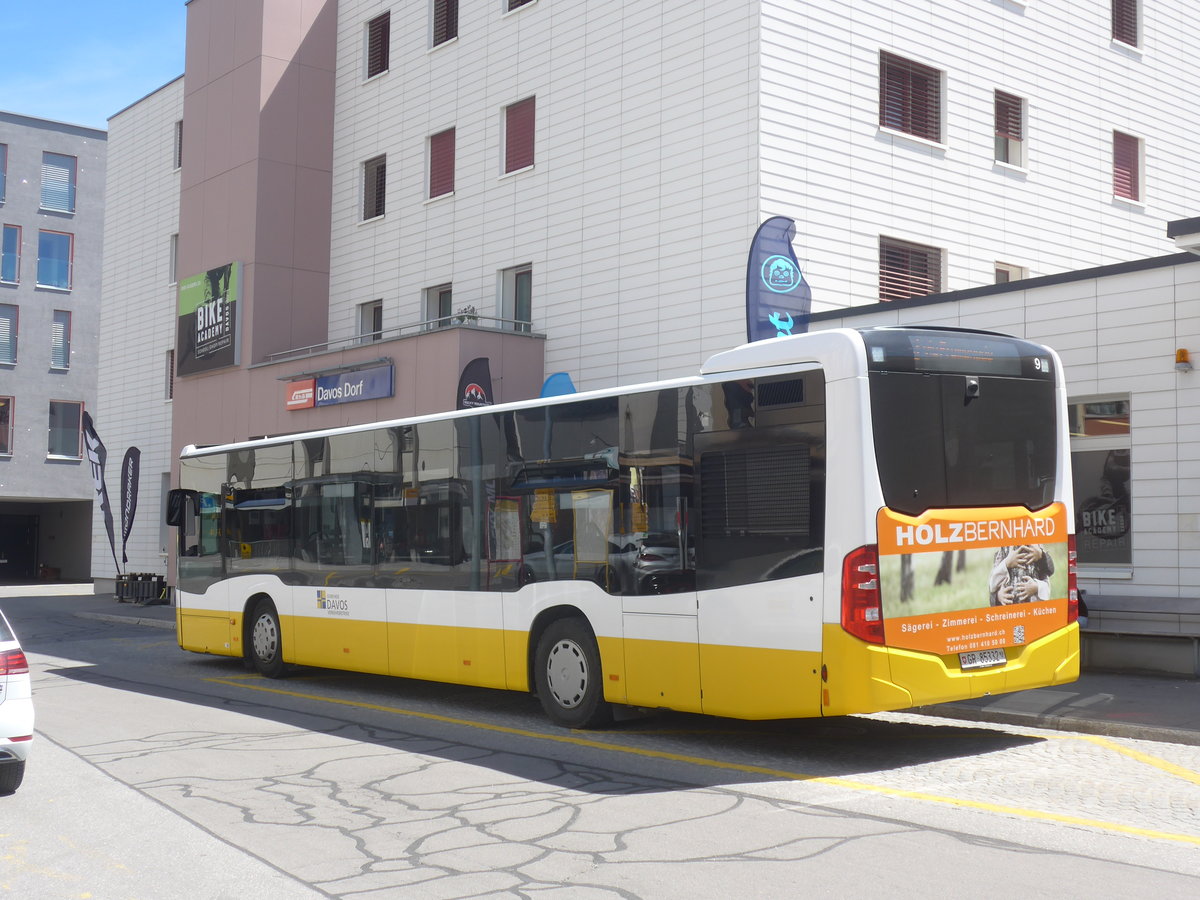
(5, 632)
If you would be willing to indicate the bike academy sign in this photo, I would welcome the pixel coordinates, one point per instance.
(207, 331)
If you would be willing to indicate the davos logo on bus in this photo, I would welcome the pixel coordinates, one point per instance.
(993, 531)
(333, 604)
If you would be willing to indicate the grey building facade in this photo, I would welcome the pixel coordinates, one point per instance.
(51, 228)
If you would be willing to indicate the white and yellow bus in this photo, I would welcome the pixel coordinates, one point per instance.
(839, 522)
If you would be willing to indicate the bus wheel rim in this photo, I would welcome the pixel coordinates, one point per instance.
(266, 638)
(567, 673)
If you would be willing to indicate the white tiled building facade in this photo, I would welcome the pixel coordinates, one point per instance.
(137, 336)
(665, 132)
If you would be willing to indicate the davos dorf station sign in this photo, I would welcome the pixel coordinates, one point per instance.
(374, 383)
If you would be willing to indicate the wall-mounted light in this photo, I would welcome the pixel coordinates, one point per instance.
(1183, 362)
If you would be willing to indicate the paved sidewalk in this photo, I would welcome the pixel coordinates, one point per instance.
(1117, 704)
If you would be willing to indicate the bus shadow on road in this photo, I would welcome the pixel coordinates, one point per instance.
(506, 732)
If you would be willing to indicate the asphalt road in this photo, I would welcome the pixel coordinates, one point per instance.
(157, 773)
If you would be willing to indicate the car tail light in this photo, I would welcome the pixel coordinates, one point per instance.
(13, 662)
(862, 612)
(1072, 581)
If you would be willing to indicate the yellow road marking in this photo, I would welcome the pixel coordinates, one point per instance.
(574, 740)
(1168, 767)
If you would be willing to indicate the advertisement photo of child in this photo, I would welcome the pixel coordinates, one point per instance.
(1020, 574)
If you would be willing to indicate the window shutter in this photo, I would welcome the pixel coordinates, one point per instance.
(518, 135)
(1008, 117)
(1126, 177)
(445, 21)
(379, 34)
(441, 163)
(1125, 21)
(910, 97)
(60, 340)
(908, 270)
(374, 186)
(58, 182)
(8, 334)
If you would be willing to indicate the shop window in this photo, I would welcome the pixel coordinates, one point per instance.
(1100, 461)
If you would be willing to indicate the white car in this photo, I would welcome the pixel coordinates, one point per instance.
(16, 710)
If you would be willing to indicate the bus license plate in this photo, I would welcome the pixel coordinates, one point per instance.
(979, 659)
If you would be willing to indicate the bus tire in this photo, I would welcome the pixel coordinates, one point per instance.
(265, 646)
(567, 676)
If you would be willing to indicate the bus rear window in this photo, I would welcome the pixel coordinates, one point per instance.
(960, 441)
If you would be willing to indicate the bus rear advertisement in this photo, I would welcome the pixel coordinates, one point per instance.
(839, 522)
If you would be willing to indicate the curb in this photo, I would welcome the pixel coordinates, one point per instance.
(134, 620)
(1100, 727)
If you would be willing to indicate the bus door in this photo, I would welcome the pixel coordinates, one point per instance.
(655, 566)
(759, 552)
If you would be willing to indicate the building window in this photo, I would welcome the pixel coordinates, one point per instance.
(8, 333)
(66, 418)
(441, 163)
(1006, 272)
(908, 270)
(1100, 465)
(6, 426)
(518, 135)
(173, 260)
(55, 249)
(437, 306)
(379, 42)
(58, 182)
(179, 144)
(910, 97)
(1010, 129)
(1125, 21)
(10, 254)
(374, 187)
(60, 340)
(445, 21)
(370, 321)
(3, 170)
(1127, 166)
(170, 380)
(517, 297)
(517, 4)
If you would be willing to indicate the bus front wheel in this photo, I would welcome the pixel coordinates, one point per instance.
(568, 678)
(266, 643)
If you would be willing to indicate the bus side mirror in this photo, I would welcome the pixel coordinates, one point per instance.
(177, 500)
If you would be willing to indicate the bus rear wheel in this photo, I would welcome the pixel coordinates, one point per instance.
(265, 646)
(567, 676)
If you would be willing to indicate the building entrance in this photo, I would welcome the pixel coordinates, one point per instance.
(18, 548)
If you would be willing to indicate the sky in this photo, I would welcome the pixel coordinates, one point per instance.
(81, 61)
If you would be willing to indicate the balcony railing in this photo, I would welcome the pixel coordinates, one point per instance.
(455, 320)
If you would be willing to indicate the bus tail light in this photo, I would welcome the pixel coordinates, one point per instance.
(862, 611)
(1072, 581)
(13, 662)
